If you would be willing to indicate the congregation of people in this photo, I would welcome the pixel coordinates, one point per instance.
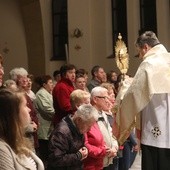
(67, 121)
(62, 133)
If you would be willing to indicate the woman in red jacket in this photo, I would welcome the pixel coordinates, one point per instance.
(61, 92)
(96, 149)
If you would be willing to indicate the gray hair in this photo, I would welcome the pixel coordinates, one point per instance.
(147, 37)
(86, 112)
(19, 71)
(9, 82)
(96, 91)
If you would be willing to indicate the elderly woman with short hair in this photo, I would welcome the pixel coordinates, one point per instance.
(66, 148)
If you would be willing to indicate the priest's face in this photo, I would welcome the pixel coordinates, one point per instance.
(143, 50)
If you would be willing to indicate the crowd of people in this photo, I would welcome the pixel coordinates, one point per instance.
(72, 123)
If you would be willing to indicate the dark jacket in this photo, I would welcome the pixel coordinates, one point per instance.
(64, 146)
(93, 83)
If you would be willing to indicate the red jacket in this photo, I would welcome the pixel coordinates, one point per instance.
(61, 99)
(96, 147)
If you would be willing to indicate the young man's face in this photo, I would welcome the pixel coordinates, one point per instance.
(71, 74)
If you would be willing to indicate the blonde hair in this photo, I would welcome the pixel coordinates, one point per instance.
(108, 86)
(77, 96)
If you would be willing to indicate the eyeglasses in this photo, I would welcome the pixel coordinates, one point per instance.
(102, 97)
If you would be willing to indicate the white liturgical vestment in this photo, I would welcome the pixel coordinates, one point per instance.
(156, 122)
(152, 78)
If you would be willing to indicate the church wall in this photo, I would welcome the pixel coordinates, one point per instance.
(12, 36)
(26, 35)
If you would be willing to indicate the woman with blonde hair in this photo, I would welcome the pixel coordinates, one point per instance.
(79, 97)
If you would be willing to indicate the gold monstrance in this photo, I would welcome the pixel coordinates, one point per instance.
(122, 61)
(122, 57)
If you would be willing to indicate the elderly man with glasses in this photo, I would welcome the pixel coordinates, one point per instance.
(100, 100)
